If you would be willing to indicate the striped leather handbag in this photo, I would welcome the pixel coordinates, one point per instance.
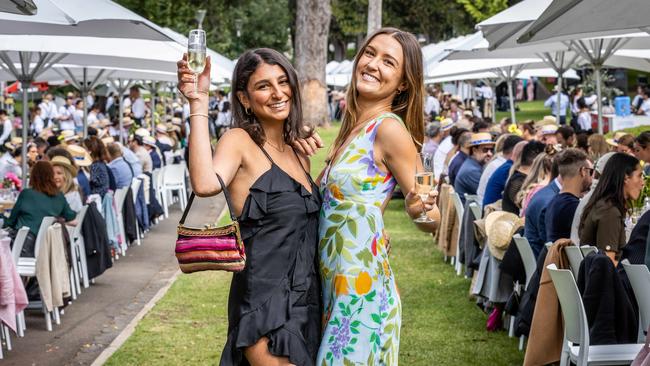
(210, 248)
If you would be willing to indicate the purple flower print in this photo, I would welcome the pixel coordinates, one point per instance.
(383, 301)
(341, 337)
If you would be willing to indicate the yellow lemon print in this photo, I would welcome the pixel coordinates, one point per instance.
(363, 283)
(341, 285)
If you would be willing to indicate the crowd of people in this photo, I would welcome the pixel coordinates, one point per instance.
(550, 185)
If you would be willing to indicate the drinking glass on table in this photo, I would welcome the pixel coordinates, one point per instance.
(424, 183)
(196, 50)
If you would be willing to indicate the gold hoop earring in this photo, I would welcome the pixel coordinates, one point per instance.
(399, 92)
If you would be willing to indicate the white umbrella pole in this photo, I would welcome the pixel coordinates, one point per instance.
(599, 93)
(2, 92)
(25, 86)
(511, 99)
(559, 97)
(83, 90)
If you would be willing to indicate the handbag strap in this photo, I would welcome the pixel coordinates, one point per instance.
(226, 193)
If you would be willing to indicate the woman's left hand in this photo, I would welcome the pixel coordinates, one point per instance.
(415, 205)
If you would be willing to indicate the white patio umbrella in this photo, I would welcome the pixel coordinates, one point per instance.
(24, 7)
(48, 29)
(580, 19)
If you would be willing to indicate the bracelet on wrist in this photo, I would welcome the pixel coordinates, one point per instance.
(199, 115)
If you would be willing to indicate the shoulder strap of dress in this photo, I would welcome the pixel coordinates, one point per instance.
(391, 115)
(267, 155)
(302, 166)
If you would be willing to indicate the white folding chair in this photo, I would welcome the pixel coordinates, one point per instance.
(120, 198)
(26, 267)
(19, 241)
(530, 265)
(575, 257)
(586, 249)
(476, 210)
(639, 277)
(458, 205)
(173, 179)
(575, 346)
(78, 251)
(135, 187)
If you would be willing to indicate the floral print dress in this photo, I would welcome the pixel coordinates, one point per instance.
(362, 309)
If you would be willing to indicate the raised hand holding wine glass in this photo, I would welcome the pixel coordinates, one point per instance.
(424, 183)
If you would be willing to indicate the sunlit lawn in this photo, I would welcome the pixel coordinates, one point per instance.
(441, 326)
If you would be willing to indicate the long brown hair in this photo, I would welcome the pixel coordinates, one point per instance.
(246, 66)
(42, 178)
(409, 104)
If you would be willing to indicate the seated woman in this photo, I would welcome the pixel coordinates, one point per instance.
(101, 178)
(33, 204)
(602, 222)
(64, 173)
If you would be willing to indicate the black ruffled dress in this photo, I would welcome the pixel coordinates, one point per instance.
(278, 294)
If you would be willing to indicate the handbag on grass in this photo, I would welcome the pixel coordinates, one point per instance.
(210, 248)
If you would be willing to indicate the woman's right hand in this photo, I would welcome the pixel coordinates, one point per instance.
(186, 80)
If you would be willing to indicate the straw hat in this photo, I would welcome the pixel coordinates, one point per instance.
(161, 128)
(500, 226)
(63, 162)
(617, 137)
(548, 129)
(68, 135)
(547, 120)
(446, 124)
(126, 122)
(108, 140)
(481, 138)
(468, 113)
(14, 143)
(80, 155)
(149, 140)
(142, 132)
(176, 121)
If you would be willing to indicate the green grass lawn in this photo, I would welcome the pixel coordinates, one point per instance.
(534, 110)
(440, 326)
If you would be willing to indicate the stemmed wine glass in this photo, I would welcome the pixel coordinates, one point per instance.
(196, 50)
(424, 182)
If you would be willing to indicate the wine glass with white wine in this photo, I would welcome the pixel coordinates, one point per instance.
(196, 50)
(424, 182)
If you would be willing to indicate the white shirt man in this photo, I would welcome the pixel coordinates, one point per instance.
(66, 113)
(6, 128)
(431, 105)
(138, 108)
(487, 174)
(48, 109)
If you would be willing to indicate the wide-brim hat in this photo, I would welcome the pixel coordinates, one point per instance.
(446, 124)
(108, 140)
(547, 120)
(126, 122)
(481, 138)
(149, 140)
(80, 155)
(142, 132)
(161, 128)
(548, 129)
(617, 137)
(63, 162)
(500, 226)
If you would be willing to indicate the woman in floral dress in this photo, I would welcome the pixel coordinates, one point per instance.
(373, 152)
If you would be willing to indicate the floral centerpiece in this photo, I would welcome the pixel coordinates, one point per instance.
(12, 181)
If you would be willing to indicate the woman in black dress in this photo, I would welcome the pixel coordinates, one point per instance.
(274, 309)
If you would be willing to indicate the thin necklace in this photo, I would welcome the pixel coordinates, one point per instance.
(275, 147)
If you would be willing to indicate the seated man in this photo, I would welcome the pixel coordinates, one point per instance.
(480, 153)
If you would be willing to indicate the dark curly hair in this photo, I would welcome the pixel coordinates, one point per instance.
(246, 66)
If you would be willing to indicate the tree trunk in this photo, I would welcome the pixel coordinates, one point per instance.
(312, 29)
(374, 15)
